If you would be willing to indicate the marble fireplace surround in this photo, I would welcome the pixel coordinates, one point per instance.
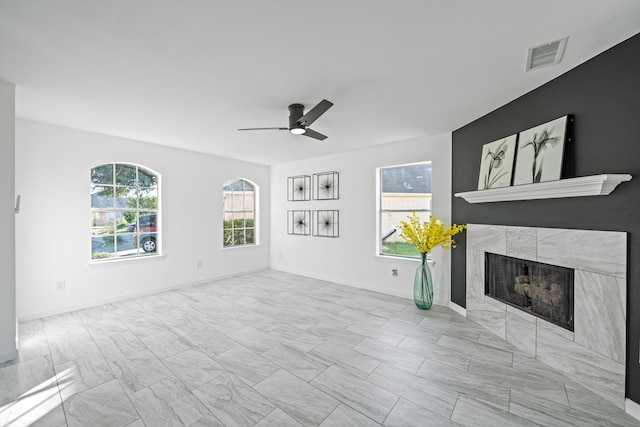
(594, 354)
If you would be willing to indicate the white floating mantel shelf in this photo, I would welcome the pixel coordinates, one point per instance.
(595, 185)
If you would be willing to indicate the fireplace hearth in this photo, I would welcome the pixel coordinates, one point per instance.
(543, 290)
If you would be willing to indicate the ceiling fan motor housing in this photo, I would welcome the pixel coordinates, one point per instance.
(295, 112)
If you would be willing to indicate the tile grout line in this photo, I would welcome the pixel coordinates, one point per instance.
(53, 367)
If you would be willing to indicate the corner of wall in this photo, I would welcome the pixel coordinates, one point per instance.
(8, 340)
(632, 408)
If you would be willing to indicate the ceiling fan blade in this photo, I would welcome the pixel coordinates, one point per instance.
(313, 114)
(313, 134)
(265, 129)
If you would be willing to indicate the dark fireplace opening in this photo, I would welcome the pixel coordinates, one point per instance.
(543, 290)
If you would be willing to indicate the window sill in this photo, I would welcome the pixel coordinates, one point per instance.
(120, 261)
(393, 258)
(224, 248)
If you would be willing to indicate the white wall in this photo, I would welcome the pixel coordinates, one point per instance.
(351, 259)
(52, 231)
(8, 349)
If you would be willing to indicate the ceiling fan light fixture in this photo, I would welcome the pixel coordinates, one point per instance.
(299, 122)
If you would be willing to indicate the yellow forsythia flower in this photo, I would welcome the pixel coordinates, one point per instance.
(429, 234)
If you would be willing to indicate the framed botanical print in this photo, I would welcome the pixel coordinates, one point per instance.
(496, 164)
(540, 152)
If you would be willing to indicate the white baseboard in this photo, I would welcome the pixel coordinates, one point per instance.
(8, 356)
(632, 408)
(455, 307)
(123, 297)
(340, 282)
(437, 301)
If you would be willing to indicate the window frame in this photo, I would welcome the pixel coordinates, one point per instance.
(117, 206)
(243, 212)
(380, 212)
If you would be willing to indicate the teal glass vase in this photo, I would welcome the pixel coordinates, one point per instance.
(423, 285)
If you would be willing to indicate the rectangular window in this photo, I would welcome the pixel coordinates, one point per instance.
(124, 211)
(403, 189)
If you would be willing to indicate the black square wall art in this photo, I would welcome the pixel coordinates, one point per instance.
(299, 188)
(299, 222)
(326, 223)
(326, 186)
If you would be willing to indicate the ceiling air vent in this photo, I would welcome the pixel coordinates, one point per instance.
(546, 54)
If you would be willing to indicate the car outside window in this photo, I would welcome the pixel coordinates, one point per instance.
(124, 211)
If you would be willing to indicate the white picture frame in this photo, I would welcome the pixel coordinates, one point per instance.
(540, 152)
(496, 164)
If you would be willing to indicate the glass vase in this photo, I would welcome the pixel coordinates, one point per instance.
(423, 285)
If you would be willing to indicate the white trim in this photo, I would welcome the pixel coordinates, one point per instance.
(123, 297)
(632, 408)
(595, 185)
(13, 354)
(392, 292)
(458, 309)
(349, 283)
(412, 260)
(133, 260)
(248, 245)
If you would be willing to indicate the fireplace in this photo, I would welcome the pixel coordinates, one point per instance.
(543, 290)
(593, 352)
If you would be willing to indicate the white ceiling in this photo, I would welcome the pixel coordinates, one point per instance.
(188, 73)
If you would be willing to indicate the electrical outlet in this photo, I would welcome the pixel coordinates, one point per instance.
(199, 263)
(60, 285)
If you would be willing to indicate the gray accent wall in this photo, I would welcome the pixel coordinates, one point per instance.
(603, 96)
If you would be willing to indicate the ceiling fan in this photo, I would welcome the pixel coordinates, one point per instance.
(299, 122)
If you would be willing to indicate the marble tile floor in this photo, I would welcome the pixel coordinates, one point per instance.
(276, 349)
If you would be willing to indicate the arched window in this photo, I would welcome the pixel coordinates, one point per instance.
(124, 211)
(239, 215)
